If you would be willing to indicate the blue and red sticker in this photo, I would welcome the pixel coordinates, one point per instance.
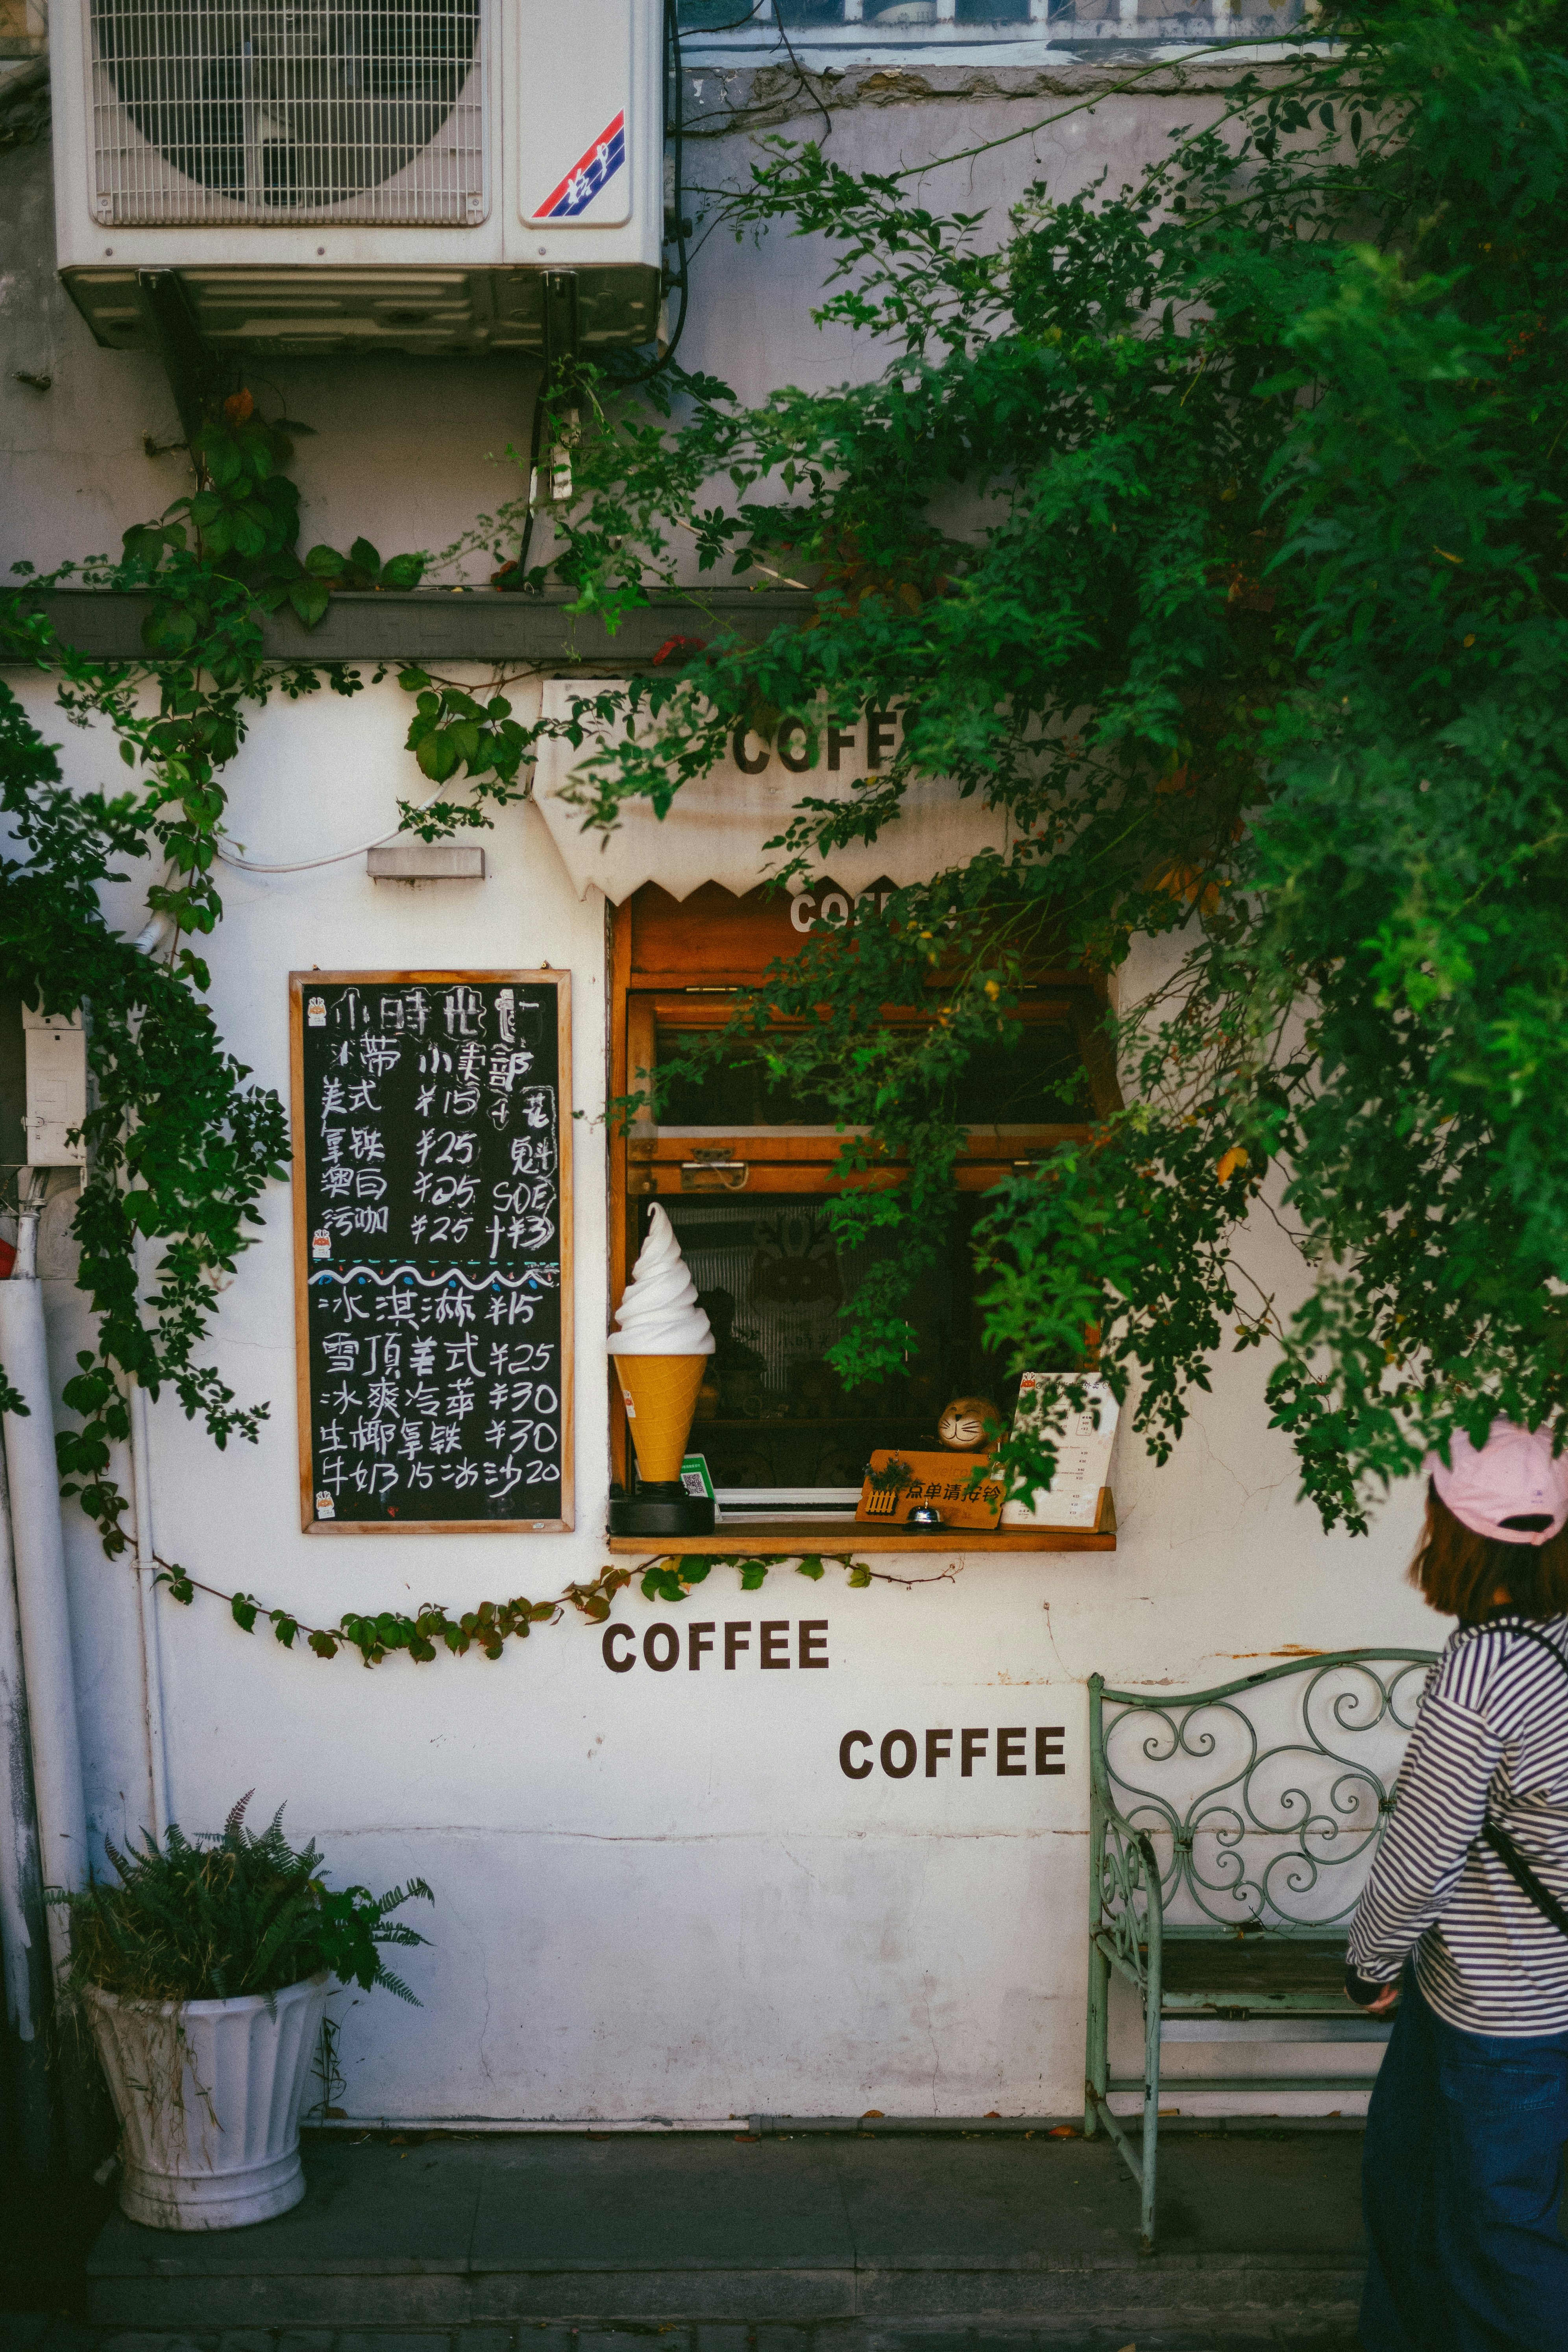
(591, 172)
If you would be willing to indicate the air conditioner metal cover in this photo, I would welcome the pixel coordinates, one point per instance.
(361, 175)
(581, 131)
(262, 110)
(292, 312)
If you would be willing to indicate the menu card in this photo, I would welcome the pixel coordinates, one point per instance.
(1083, 1452)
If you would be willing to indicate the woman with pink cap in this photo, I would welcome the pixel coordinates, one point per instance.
(1463, 1930)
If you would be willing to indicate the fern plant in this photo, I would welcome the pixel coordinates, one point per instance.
(229, 1912)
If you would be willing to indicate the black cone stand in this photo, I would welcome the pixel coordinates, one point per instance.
(661, 1509)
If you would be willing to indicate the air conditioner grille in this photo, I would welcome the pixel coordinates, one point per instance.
(224, 110)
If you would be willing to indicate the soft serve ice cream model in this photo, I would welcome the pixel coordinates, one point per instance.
(661, 1352)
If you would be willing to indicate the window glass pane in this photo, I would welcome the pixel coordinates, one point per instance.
(1148, 19)
(717, 15)
(735, 1092)
(774, 1413)
(1030, 1080)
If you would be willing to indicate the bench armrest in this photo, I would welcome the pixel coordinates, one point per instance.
(1127, 1906)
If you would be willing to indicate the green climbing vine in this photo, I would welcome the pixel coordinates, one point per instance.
(490, 1624)
(1210, 530)
(181, 1146)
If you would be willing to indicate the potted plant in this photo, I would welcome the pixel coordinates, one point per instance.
(204, 1976)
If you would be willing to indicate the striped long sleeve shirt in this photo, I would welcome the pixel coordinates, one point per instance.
(1492, 1733)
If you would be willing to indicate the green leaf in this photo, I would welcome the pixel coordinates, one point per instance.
(311, 600)
(170, 628)
(402, 571)
(144, 543)
(230, 1912)
(437, 757)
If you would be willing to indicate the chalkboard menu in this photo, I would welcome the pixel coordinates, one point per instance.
(433, 1256)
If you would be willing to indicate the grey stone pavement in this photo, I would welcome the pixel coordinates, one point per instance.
(727, 2243)
(39, 2333)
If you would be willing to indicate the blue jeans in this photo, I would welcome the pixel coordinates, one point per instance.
(1461, 2189)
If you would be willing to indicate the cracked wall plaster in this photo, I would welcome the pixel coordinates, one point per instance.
(724, 100)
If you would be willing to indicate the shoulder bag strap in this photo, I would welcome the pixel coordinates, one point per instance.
(1498, 1839)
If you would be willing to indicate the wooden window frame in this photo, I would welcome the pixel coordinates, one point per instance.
(705, 950)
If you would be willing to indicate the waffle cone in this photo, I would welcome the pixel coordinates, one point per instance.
(660, 1394)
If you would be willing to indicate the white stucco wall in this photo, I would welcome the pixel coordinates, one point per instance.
(658, 1895)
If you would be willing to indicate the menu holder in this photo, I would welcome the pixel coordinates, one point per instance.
(899, 1481)
(432, 1137)
(1076, 1496)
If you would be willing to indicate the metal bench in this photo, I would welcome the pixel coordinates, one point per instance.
(1224, 1900)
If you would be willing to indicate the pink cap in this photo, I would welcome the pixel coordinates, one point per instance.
(1515, 1475)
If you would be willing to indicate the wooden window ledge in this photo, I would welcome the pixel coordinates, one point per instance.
(795, 1538)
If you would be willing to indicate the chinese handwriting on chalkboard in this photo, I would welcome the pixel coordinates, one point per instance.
(435, 1175)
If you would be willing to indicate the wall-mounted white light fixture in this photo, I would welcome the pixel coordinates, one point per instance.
(424, 861)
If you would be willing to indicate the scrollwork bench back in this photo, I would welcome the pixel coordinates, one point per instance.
(1231, 1831)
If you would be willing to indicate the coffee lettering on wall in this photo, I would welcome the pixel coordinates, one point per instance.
(432, 1222)
(780, 1645)
(900, 1752)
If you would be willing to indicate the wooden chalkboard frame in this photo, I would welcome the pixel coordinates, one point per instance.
(545, 975)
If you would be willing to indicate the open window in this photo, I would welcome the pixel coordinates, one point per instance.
(745, 1171)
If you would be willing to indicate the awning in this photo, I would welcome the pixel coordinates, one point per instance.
(717, 825)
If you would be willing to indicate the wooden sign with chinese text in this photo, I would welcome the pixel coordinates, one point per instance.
(900, 1482)
(433, 1260)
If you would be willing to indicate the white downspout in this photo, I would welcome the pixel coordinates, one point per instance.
(24, 1931)
(38, 1545)
(18, 1839)
(149, 941)
(147, 1597)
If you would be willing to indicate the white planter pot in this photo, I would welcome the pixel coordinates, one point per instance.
(208, 2094)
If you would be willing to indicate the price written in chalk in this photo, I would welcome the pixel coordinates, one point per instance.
(432, 1174)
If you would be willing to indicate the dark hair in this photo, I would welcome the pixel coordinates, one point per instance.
(1456, 1571)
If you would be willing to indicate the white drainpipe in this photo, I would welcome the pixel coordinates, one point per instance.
(39, 1545)
(149, 941)
(147, 1595)
(18, 1833)
(24, 1934)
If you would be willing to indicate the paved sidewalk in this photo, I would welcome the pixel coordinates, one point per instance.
(727, 2243)
(37, 2333)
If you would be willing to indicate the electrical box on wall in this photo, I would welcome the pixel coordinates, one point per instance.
(55, 1046)
(356, 175)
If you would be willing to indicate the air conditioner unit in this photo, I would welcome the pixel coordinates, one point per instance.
(361, 175)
